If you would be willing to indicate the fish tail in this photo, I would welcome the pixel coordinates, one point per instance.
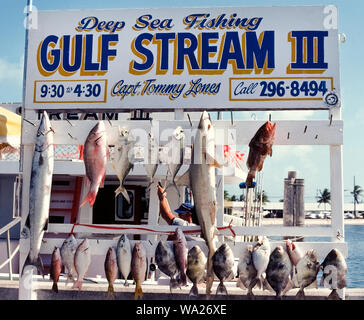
(193, 291)
(55, 287)
(221, 289)
(110, 290)
(77, 285)
(250, 295)
(334, 295)
(123, 191)
(240, 284)
(126, 283)
(249, 179)
(138, 292)
(259, 283)
(183, 280)
(173, 284)
(300, 294)
(37, 264)
(91, 197)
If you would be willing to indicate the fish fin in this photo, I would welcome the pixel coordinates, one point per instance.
(45, 228)
(103, 181)
(211, 161)
(91, 197)
(55, 287)
(138, 292)
(77, 285)
(260, 282)
(333, 295)
(173, 284)
(37, 264)
(249, 179)
(184, 180)
(193, 291)
(110, 290)
(175, 186)
(221, 289)
(123, 191)
(313, 285)
(240, 284)
(300, 294)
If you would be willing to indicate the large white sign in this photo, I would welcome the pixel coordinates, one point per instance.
(191, 58)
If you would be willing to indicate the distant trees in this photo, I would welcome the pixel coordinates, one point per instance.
(357, 192)
(324, 197)
(264, 197)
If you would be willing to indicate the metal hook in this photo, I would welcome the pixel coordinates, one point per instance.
(72, 136)
(109, 122)
(316, 136)
(288, 136)
(253, 116)
(51, 129)
(270, 117)
(232, 118)
(330, 119)
(189, 119)
(70, 123)
(33, 124)
(305, 129)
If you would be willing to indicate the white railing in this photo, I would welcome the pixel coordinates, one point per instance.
(11, 255)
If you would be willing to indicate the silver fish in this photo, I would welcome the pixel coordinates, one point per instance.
(123, 253)
(151, 164)
(334, 270)
(165, 259)
(279, 270)
(196, 265)
(39, 192)
(123, 160)
(82, 262)
(246, 271)
(307, 269)
(175, 156)
(95, 155)
(180, 252)
(260, 255)
(223, 263)
(201, 178)
(68, 251)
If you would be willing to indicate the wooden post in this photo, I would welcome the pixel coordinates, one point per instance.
(288, 204)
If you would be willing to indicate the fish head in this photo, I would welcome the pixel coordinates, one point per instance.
(178, 133)
(269, 130)
(139, 250)
(179, 236)
(277, 253)
(56, 253)
(205, 124)
(44, 133)
(97, 133)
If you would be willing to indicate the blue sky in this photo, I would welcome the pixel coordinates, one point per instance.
(312, 163)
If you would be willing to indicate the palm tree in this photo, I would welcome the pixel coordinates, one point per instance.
(357, 192)
(324, 197)
(264, 197)
(226, 195)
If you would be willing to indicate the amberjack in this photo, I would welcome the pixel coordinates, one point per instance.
(39, 192)
(202, 180)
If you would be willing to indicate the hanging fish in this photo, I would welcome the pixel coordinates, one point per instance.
(247, 273)
(151, 164)
(56, 267)
(334, 269)
(123, 159)
(138, 268)
(259, 147)
(111, 270)
(166, 262)
(196, 265)
(223, 263)
(95, 155)
(39, 192)
(180, 253)
(260, 255)
(82, 262)
(68, 250)
(174, 158)
(123, 254)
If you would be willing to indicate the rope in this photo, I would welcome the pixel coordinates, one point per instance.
(146, 229)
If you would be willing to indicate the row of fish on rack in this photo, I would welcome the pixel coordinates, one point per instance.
(278, 270)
